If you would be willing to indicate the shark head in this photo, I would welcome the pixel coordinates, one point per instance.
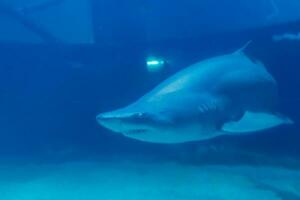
(157, 122)
(137, 124)
(127, 122)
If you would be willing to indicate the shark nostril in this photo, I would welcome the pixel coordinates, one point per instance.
(139, 114)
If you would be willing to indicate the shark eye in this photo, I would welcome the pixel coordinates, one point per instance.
(140, 114)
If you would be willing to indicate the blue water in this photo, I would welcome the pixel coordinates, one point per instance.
(50, 94)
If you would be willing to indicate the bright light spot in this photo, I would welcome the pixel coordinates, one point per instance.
(155, 64)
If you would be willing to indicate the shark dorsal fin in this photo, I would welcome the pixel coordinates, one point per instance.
(242, 49)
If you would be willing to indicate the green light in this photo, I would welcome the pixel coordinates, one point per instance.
(155, 64)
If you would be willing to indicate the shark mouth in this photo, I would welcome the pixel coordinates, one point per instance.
(136, 131)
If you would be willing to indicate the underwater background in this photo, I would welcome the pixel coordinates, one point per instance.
(51, 91)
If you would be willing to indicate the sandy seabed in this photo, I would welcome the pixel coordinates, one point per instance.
(135, 180)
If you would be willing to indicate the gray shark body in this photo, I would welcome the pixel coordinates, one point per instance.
(228, 94)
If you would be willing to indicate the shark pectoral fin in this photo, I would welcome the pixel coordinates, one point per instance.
(255, 121)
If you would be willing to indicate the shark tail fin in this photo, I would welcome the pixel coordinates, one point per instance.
(242, 49)
(254, 122)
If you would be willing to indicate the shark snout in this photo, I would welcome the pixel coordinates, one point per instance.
(110, 121)
(104, 118)
(110, 117)
(124, 122)
(116, 121)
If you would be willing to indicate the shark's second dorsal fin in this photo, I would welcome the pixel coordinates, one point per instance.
(241, 50)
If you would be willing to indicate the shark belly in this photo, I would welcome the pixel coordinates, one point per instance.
(187, 134)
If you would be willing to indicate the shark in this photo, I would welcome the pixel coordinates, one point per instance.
(230, 94)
